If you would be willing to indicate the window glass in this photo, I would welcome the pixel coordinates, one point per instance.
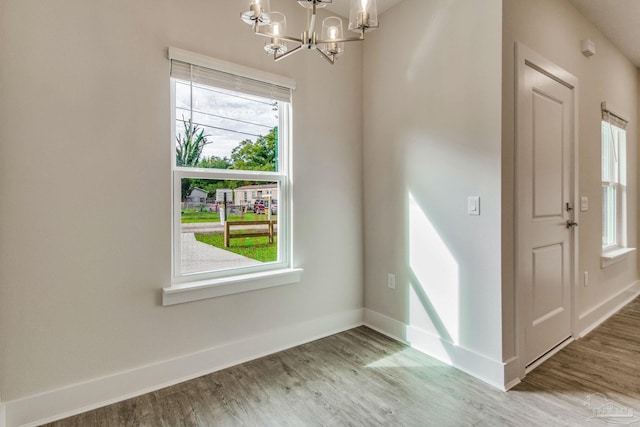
(240, 130)
(230, 181)
(613, 184)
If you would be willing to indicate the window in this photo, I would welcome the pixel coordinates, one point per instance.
(230, 139)
(614, 186)
(611, 185)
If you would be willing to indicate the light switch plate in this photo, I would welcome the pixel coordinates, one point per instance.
(473, 205)
(584, 203)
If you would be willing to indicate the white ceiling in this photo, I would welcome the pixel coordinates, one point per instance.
(619, 20)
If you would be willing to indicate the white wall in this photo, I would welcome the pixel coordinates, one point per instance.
(84, 110)
(432, 112)
(554, 29)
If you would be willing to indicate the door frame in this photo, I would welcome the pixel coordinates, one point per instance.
(526, 57)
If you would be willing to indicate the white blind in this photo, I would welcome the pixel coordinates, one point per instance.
(221, 79)
(615, 119)
(609, 153)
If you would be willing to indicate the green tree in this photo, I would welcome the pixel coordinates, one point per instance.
(260, 155)
(189, 147)
(185, 188)
(215, 162)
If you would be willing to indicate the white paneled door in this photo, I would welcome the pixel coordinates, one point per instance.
(544, 212)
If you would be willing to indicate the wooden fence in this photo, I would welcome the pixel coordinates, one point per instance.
(270, 231)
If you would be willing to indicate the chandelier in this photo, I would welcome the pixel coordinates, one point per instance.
(273, 25)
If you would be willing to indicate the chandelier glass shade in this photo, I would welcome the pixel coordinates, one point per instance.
(329, 42)
(332, 30)
(363, 15)
(277, 26)
(257, 11)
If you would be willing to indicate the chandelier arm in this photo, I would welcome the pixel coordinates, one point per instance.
(345, 39)
(277, 57)
(331, 58)
(281, 37)
(348, 39)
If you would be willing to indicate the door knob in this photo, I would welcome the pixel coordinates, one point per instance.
(571, 224)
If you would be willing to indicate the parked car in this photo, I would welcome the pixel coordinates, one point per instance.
(274, 207)
(258, 206)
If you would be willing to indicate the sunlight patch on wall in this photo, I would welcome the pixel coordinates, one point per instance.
(433, 29)
(434, 294)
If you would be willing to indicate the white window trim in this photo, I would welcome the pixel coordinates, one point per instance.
(229, 67)
(186, 288)
(614, 254)
(212, 288)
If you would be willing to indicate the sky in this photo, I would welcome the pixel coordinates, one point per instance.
(227, 117)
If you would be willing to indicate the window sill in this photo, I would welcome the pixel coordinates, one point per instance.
(613, 256)
(194, 291)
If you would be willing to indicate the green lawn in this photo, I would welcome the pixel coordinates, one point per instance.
(257, 248)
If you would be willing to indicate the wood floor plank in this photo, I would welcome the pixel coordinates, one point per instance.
(362, 378)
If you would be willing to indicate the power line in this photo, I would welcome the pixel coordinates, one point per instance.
(224, 117)
(227, 130)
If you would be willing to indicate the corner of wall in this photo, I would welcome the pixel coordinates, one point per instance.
(511, 373)
(595, 316)
(468, 361)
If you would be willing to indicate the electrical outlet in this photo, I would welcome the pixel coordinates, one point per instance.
(391, 281)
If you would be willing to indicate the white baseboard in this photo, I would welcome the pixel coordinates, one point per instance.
(592, 318)
(511, 384)
(64, 402)
(587, 322)
(475, 364)
(511, 373)
(57, 404)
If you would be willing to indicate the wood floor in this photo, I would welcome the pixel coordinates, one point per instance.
(362, 378)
